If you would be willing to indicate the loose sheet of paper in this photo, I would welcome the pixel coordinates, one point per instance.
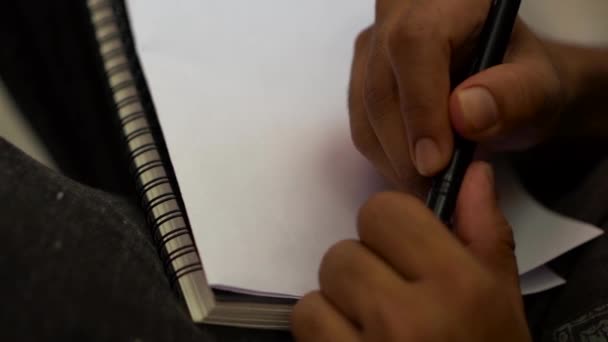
(251, 97)
(539, 280)
(540, 235)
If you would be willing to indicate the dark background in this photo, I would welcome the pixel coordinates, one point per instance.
(49, 65)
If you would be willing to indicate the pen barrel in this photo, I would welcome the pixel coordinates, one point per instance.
(495, 35)
(446, 186)
(492, 45)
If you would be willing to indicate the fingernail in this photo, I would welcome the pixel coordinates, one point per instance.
(428, 156)
(478, 108)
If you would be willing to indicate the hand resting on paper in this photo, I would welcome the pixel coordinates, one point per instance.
(410, 279)
(403, 112)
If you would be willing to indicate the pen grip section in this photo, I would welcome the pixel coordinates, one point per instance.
(446, 186)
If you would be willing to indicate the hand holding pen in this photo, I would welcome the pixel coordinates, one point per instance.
(407, 278)
(411, 91)
(426, 87)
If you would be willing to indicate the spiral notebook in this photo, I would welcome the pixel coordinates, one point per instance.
(253, 175)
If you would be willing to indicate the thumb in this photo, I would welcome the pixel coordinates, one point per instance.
(512, 105)
(480, 224)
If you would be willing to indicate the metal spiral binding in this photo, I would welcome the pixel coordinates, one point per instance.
(158, 198)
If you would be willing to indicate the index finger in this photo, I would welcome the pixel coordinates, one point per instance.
(420, 55)
(421, 37)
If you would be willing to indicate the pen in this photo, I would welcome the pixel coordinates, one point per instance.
(492, 44)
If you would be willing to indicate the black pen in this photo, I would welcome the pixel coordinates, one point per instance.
(493, 41)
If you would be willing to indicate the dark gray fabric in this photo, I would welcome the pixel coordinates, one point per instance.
(48, 62)
(578, 311)
(79, 264)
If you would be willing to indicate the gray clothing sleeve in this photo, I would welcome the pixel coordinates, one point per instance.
(80, 264)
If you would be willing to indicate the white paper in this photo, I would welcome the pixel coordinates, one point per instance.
(540, 235)
(251, 97)
(539, 280)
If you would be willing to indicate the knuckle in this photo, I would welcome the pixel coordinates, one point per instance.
(378, 97)
(362, 40)
(305, 313)
(411, 28)
(339, 250)
(337, 260)
(304, 310)
(373, 210)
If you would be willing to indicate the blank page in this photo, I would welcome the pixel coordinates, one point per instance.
(251, 97)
